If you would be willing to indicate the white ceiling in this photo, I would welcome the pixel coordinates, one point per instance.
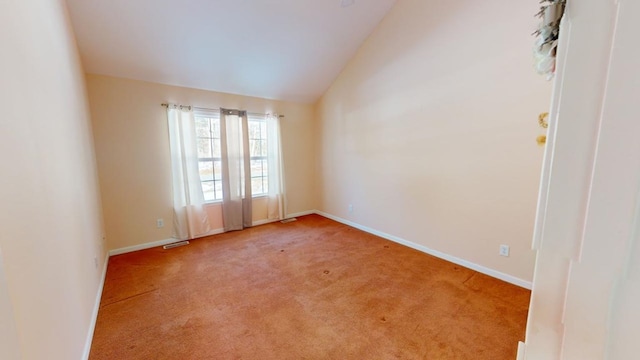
(278, 49)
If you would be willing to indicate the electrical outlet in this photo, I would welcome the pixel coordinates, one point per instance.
(95, 261)
(160, 223)
(504, 250)
(350, 208)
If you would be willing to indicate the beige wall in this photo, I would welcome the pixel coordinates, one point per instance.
(430, 130)
(9, 343)
(132, 148)
(50, 229)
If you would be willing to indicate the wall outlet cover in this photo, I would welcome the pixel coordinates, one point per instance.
(504, 250)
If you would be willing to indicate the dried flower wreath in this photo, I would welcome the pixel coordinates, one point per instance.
(544, 50)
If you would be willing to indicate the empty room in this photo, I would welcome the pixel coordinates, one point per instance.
(319, 179)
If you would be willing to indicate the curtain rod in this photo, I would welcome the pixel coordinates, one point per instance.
(189, 107)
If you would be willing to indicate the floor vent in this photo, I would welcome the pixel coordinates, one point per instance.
(288, 220)
(176, 244)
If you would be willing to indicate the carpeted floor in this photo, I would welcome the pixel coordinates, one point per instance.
(310, 289)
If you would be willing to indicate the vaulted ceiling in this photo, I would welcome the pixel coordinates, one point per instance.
(278, 49)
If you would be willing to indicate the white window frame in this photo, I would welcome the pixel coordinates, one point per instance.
(215, 116)
(212, 116)
(264, 158)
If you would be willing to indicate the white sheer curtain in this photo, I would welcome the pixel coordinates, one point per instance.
(275, 203)
(190, 219)
(236, 170)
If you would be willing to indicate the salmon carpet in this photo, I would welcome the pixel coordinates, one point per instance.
(309, 289)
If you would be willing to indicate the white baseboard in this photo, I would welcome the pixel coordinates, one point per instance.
(522, 347)
(263, 221)
(153, 244)
(301, 213)
(157, 243)
(479, 268)
(96, 308)
(148, 245)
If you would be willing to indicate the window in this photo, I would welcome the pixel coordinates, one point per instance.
(258, 155)
(210, 159)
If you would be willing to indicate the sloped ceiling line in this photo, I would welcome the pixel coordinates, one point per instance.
(277, 49)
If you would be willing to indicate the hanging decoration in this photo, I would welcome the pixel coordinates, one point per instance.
(544, 50)
(542, 121)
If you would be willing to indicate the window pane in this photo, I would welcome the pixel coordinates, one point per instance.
(206, 170)
(254, 129)
(263, 129)
(204, 148)
(218, 188)
(202, 127)
(263, 148)
(217, 169)
(254, 147)
(207, 189)
(215, 143)
(215, 128)
(256, 168)
(256, 186)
